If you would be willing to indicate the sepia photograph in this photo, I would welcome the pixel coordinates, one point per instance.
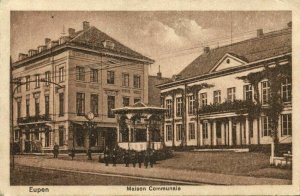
(150, 101)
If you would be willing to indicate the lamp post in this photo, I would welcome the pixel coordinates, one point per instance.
(89, 116)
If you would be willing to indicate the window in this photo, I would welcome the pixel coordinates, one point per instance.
(61, 74)
(47, 137)
(61, 104)
(28, 107)
(126, 101)
(37, 106)
(94, 138)
(205, 130)
(218, 130)
(266, 128)
(191, 104)
(61, 130)
(47, 105)
(94, 75)
(19, 107)
(136, 100)
(36, 134)
(37, 81)
(217, 97)
(137, 81)
(248, 92)
(265, 86)
(108, 44)
(110, 77)
(192, 133)
(94, 104)
(47, 78)
(286, 89)
(178, 132)
(125, 79)
(111, 105)
(80, 75)
(18, 83)
(79, 135)
(230, 94)
(179, 106)
(169, 132)
(286, 124)
(80, 104)
(203, 99)
(27, 83)
(169, 108)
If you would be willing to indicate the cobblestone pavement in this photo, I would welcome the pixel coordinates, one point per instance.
(155, 172)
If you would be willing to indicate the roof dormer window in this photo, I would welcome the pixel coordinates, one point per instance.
(108, 44)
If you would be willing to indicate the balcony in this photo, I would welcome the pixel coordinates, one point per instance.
(239, 106)
(37, 118)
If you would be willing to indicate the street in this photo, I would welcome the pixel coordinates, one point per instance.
(24, 175)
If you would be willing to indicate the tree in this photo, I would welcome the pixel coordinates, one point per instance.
(275, 75)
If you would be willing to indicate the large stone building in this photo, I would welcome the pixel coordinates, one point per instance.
(62, 80)
(229, 96)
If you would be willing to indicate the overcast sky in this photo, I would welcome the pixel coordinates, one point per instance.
(172, 39)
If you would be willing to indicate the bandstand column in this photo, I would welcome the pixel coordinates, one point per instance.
(230, 131)
(214, 135)
(247, 130)
(222, 133)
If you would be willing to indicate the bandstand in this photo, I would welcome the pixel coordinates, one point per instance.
(140, 127)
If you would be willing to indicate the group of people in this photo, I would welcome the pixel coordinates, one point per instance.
(147, 157)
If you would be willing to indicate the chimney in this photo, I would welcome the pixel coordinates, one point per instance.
(206, 49)
(71, 32)
(86, 25)
(47, 40)
(260, 33)
(176, 77)
(22, 56)
(289, 24)
(54, 43)
(159, 75)
(64, 39)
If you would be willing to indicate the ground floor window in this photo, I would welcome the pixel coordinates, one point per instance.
(205, 130)
(36, 134)
(79, 137)
(27, 134)
(61, 136)
(169, 132)
(218, 131)
(178, 132)
(47, 138)
(266, 128)
(286, 124)
(192, 134)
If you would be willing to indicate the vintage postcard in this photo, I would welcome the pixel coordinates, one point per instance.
(149, 98)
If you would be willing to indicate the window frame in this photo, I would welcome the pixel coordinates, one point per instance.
(179, 106)
(94, 75)
(217, 96)
(27, 81)
(136, 81)
(94, 104)
(111, 104)
(231, 94)
(179, 132)
(110, 77)
(266, 129)
(61, 74)
(205, 130)
(286, 90)
(248, 89)
(169, 135)
(80, 73)
(61, 104)
(203, 99)
(123, 101)
(169, 108)
(192, 131)
(191, 104)
(47, 78)
(80, 104)
(286, 131)
(265, 92)
(125, 80)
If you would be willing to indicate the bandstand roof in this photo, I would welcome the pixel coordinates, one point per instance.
(139, 107)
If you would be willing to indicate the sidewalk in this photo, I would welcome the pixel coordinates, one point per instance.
(162, 173)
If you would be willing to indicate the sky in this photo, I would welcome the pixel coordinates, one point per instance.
(172, 38)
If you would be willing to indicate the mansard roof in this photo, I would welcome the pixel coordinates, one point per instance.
(269, 45)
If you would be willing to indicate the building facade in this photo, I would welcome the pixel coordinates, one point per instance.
(58, 83)
(231, 95)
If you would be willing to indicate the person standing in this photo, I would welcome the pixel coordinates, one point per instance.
(135, 157)
(146, 160)
(106, 156)
(126, 158)
(151, 157)
(55, 150)
(114, 156)
(140, 159)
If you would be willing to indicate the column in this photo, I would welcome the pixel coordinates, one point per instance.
(118, 132)
(222, 133)
(230, 132)
(23, 142)
(247, 130)
(129, 133)
(201, 134)
(209, 133)
(238, 133)
(148, 136)
(255, 132)
(214, 129)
